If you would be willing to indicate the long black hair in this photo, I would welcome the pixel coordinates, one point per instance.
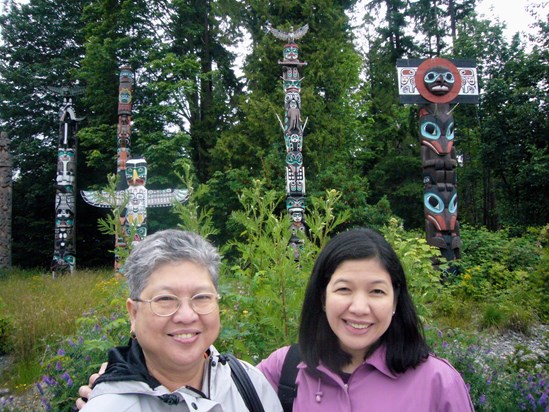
(404, 339)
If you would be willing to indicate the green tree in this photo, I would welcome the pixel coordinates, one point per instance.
(514, 137)
(503, 146)
(390, 136)
(436, 23)
(255, 145)
(41, 46)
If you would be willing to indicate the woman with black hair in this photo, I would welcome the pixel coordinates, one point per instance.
(360, 339)
(361, 342)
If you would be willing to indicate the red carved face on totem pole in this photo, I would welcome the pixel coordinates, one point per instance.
(438, 80)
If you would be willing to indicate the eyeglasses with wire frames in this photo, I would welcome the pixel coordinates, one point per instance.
(167, 305)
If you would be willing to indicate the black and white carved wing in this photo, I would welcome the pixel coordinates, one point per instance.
(166, 197)
(104, 199)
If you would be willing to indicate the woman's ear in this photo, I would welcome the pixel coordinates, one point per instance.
(131, 306)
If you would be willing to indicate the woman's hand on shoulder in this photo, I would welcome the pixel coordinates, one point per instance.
(85, 390)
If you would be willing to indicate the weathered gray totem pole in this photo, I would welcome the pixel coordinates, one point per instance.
(293, 128)
(64, 252)
(435, 84)
(5, 201)
(132, 177)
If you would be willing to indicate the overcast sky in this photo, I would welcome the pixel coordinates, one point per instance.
(512, 12)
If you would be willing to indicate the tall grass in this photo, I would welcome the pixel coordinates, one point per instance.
(39, 311)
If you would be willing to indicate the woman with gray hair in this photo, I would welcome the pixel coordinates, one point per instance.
(170, 362)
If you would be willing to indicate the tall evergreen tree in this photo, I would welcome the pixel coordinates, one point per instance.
(185, 86)
(41, 46)
(255, 146)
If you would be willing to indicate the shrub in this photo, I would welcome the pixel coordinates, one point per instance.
(493, 317)
(267, 270)
(541, 275)
(416, 257)
(69, 363)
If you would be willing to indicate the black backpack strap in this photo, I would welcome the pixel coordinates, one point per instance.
(287, 388)
(244, 384)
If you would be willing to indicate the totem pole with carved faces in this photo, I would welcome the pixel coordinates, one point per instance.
(435, 84)
(293, 127)
(64, 253)
(132, 177)
(6, 192)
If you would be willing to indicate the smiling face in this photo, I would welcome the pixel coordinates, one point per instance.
(175, 345)
(359, 305)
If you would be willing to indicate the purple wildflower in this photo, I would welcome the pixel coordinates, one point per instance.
(39, 387)
(67, 378)
(543, 400)
(61, 352)
(531, 400)
(46, 404)
(58, 366)
(70, 342)
(48, 380)
(482, 399)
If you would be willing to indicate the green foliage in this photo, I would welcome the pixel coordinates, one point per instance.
(501, 276)
(269, 271)
(541, 274)
(68, 364)
(492, 316)
(6, 329)
(378, 215)
(191, 216)
(112, 224)
(416, 257)
(41, 310)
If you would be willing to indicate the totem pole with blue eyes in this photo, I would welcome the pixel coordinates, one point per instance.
(64, 254)
(131, 193)
(293, 128)
(436, 84)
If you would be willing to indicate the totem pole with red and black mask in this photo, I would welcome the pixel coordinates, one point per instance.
(437, 85)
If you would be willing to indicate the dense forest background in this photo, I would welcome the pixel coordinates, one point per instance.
(195, 109)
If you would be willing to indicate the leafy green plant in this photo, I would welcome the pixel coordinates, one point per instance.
(540, 278)
(112, 223)
(191, 216)
(493, 317)
(265, 285)
(416, 257)
(67, 364)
